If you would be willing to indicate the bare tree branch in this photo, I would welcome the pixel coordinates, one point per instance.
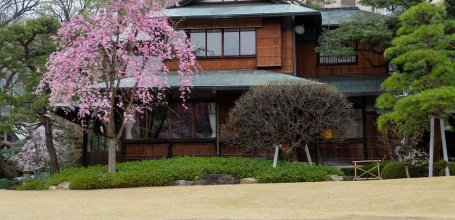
(13, 10)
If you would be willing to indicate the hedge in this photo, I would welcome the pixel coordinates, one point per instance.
(164, 171)
(6, 184)
(395, 170)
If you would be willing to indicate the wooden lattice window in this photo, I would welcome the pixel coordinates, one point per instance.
(326, 59)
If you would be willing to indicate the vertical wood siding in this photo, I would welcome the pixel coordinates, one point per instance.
(268, 43)
(307, 63)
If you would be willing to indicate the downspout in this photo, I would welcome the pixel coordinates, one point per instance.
(294, 51)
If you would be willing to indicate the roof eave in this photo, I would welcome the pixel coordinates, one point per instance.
(264, 15)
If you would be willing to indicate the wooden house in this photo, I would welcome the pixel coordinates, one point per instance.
(239, 44)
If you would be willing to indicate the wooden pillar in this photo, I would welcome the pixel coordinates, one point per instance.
(318, 153)
(217, 109)
(364, 128)
(444, 145)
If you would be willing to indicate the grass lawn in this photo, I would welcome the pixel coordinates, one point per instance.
(420, 198)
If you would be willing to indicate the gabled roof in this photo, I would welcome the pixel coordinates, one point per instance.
(259, 9)
(334, 16)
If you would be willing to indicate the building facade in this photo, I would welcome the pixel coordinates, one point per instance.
(243, 43)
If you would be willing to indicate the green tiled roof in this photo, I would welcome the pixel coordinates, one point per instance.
(334, 16)
(263, 9)
(224, 79)
(355, 85)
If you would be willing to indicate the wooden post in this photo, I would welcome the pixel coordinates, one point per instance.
(355, 170)
(444, 145)
(430, 160)
(318, 153)
(275, 158)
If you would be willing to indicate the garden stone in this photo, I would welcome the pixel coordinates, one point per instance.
(52, 187)
(179, 183)
(64, 186)
(189, 183)
(217, 179)
(183, 183)
(248, 181)
(334, 178)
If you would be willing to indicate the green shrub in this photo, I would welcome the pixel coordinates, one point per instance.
(6, 184)
(163, 172)
(395, 170)
(34, 185)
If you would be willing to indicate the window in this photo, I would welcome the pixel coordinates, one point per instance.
(226, 1)
(355, 130)
(231, 42)
(214, 45)
(198, 40)
(194, 120)
(248, 42)
(224, 42)
(96, 143)
(341, 59)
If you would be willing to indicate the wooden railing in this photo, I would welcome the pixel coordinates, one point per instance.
(373, 173)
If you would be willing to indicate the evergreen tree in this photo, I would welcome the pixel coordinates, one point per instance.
(24, 49)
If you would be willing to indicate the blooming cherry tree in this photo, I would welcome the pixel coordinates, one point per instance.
(111, 64)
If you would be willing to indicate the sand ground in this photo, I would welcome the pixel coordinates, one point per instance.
(421, 198)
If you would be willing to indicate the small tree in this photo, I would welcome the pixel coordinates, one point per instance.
(287, 112)
(422, 84)
(24, 50)
(401, 145)
(110, 64)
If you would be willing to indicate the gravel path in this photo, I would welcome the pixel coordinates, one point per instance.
(421, 198)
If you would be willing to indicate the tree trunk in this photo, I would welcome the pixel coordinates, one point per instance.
(111, 147)
(437, 141)
(111, 150)
(308, 156)
(5, 169)
(54, 168)
(406, 169)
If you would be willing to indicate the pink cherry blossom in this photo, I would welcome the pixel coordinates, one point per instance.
(127, 41)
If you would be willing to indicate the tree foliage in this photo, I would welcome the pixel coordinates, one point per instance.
(110, 64)
(364, 34)
(424, 78)
(25, 48)
(286, 112)
(393, 6)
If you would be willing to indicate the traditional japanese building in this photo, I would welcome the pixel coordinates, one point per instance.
(243, 43)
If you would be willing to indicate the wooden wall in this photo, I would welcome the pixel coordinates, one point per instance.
(218, 23)
(274, 48)
(307, 63)
(227, 63)
(287, 51)
(268, 43)
(155, 150)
